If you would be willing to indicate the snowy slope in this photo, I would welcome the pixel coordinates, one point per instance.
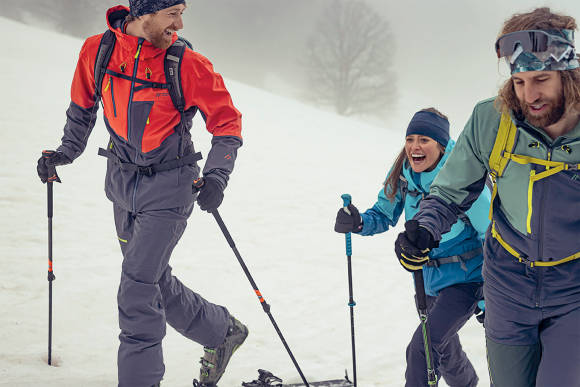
(280, 208)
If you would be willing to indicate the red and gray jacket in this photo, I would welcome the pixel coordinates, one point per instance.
(145, 127)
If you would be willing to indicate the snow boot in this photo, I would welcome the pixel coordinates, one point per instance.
(215, 360)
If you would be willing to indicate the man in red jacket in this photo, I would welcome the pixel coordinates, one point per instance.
(150, 170)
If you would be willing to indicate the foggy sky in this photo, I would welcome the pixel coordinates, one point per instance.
(444, 53)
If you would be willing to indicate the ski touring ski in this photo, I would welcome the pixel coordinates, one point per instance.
(267, 379)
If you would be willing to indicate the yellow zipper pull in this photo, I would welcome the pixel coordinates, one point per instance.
(108, 84)
(147, 121)
(138, 51)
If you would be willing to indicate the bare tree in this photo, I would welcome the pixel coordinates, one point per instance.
(349, 58)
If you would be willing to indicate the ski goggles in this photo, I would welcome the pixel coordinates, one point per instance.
(538, 50)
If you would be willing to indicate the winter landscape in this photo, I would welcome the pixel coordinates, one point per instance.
(279, 207)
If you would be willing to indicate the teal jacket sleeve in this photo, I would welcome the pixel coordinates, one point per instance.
(478, 213)
(383, 214)
(462, 179)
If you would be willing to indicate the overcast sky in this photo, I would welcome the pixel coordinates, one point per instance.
(442, 48)
(445, 50)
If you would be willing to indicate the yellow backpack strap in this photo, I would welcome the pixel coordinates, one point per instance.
(504, 142)
(523, 259)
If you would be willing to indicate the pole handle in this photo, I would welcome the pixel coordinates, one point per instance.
(346, 200)
(420, 291)
(51, 169)
(49, 200)
(197, 184)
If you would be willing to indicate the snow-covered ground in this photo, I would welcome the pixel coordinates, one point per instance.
(279, 207)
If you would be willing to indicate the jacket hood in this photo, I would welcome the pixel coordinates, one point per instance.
(422, 181)
(115, 18)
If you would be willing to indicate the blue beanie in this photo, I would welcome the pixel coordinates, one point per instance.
(143, 7)
(431, 125)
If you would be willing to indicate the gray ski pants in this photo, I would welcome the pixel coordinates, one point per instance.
(531, 346)
(448, 312)
(150, 296)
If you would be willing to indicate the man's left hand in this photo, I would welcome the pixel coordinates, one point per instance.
(413, 246)
(211, 194)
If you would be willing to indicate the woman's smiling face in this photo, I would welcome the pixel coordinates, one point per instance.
(423, 152)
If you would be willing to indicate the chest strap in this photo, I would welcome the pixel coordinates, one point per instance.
(150, 170)
(523, 259)
(461, 258)
(552, 167)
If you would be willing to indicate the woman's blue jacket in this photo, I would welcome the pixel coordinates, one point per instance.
(464, 240)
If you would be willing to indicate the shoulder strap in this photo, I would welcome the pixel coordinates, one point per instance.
(404, 185)
(103, 56)
(173, 57)
(504, 142)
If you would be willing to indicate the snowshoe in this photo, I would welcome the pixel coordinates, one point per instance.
(266, 379)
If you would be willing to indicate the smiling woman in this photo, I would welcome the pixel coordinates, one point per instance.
(426, 141)
(451, 270)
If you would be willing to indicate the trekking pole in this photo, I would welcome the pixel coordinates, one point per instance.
(265, 305)
(422, 309)
(197, 184)
(52, 177)
(346, 199)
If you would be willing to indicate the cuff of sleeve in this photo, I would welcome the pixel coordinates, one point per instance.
(364, 223)
(217, 178)
(436, 236)
(67, 152)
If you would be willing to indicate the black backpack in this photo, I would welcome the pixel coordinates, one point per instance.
(172, 66)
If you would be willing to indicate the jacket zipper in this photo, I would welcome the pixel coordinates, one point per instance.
(140, 43)
(541, 233)
(132, 86)
(113, 97)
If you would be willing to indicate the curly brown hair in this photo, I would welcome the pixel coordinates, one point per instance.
(540, 19)
(392, 182)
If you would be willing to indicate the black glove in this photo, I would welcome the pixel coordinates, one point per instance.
(346, 222)
(211, 194)
(47, 163)
(413, 246)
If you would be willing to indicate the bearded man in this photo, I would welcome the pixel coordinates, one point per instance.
(528, 140)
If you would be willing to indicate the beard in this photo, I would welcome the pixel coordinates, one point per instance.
(157, 35)
(557, 107)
